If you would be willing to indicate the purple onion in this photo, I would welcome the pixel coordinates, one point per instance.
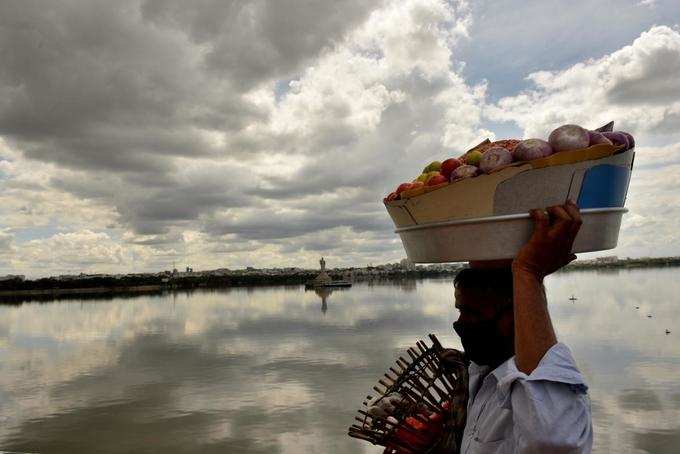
(617, 138)
(530, 149)
(598, 138)
(631, 140)
(464, 171)
(493, 158)
(569, 137)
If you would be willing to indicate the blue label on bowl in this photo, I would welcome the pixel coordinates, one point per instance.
(603, 186)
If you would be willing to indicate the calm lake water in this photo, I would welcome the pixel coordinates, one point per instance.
(279, 370)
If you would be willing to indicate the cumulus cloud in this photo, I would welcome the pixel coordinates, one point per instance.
(636, 85)
(653, 203)
(80, 251)
(254, 41)
(235, 126)
(260, 133)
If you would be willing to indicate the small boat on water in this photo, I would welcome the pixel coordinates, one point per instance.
(573, 298)
(324, 280)
(314, 284)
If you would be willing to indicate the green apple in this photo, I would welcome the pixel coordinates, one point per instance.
(422, 177)
(434, 166)
(472, 158)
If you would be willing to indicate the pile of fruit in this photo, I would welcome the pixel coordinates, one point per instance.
(419, 431)
(488, 157)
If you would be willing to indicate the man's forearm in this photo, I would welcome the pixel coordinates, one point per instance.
(534, 333)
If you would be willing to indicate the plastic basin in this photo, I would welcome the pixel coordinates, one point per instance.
(501, 237)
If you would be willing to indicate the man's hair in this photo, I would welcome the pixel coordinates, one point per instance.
(490, 281)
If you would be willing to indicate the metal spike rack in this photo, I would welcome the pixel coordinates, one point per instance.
(420, 404)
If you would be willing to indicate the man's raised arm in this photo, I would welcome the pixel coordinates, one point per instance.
(551, 409)
(548, 250)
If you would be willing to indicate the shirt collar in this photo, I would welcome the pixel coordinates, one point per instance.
(505, 368)
(477, 369)
(500, 374)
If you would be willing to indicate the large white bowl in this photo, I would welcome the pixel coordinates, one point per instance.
(501, 237)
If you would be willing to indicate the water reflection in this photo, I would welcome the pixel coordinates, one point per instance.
(263, 370)
(323, 293)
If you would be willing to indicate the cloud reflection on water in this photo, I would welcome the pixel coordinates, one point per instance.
(267, 370)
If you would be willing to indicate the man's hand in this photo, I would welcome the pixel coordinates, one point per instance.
(549, 248)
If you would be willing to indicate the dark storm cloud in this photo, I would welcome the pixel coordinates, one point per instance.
(117, 91)
(154, 212)
(151, 203)
(375, 163)
(90, 85)
(256, 40)
(224, 246)
(322, 176)
(373, 245)
(158, 240)
(355, 208)
(268, 224)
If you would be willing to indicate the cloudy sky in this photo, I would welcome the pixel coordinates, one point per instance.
(138, 133)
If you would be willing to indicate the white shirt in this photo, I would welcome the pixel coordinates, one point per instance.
(547, 411)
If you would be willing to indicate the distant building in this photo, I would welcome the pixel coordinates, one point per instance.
(608, 259)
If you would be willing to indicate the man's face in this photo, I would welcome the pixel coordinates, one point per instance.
(485, 325)
(474, 307)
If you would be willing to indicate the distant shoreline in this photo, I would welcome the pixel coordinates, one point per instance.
(615, 263)
(17, 290)
(50, 288)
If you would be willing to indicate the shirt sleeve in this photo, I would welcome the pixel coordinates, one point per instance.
(550, 407)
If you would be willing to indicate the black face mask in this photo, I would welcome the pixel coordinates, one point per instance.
(482, 342)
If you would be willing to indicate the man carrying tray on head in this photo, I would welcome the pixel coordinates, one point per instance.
(526, 393)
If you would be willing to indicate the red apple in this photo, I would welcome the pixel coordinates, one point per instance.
(413, 440)
(437, 179)
(449, 166)
(403, 187)
(415, 423)
(392, 196)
